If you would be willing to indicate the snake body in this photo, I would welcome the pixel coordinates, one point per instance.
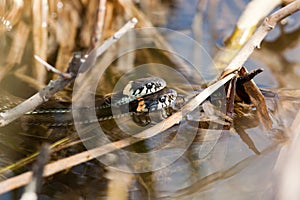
(139, 96)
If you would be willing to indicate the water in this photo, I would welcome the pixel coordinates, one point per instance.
(237, 163)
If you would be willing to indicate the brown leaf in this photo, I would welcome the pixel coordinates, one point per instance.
(257, 99)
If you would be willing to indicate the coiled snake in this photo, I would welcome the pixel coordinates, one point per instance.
(138, 97)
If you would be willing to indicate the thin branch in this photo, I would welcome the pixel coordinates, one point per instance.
(51, 68)
(71, 161)
(54, 86)
(268, 24)
(42, 96)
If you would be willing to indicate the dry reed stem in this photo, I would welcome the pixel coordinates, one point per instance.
(261, 10)
(66, 33)
(40, 37)
(17, 48)
(98, 27)
(109, 16)
(20, 74)
(119, 184)
(13, 17)
(256, 39)
(88, 24)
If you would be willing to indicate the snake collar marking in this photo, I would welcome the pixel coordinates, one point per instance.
(143, 86)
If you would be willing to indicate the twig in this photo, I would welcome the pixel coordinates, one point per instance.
(40, 97)
(57, 85)
(107, 43)
(51, 68)
(71, 161)
(268, 24)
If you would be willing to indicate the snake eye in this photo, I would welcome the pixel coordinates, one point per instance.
(162, 99)
(149, 85)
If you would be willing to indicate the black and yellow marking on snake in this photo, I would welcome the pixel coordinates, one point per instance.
(140, 96)
(154, 102)
(162, 99)
(144, 86)
(133, 90)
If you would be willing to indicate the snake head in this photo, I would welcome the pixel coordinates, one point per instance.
(166, 99)
(143, 86)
